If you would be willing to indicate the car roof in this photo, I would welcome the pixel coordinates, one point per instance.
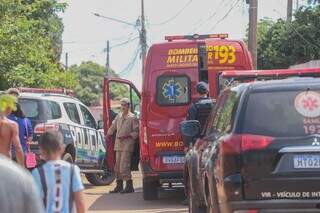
(294, 83)
(50, 97)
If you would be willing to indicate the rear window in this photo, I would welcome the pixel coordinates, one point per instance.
(283, 114)
(173, 90)
(40, 109)
(31, 108)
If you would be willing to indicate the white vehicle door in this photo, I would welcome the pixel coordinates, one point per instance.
(91, 134)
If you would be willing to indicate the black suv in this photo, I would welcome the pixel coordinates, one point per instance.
(261, 149)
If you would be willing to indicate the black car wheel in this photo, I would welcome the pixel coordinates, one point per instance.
(100, 179)
(150, 190)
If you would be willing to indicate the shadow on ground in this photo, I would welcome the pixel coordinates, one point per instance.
(169, 202)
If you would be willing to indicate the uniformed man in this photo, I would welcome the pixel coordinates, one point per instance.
(201, 109)
(126, 126)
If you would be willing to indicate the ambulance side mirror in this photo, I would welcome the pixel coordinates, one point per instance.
(190, 131)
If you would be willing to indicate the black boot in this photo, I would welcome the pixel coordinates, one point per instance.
(129, 187)
(118, 188)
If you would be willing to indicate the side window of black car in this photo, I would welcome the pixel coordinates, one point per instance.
(222, 121)
(226, 117)
(215, 115)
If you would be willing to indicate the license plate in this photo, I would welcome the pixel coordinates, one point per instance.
(306, 161)
(173, 159)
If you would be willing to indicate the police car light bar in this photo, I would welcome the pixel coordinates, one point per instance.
(196, 36)
(52, 91)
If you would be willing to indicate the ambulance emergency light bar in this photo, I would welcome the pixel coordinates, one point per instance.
(195, 37)
(272, 74)
(46, 91)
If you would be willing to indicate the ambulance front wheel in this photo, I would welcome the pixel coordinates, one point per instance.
(150, 189)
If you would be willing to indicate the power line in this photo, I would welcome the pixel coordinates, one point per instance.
(225, 16)
(211, 16)
(131, 64)
(124, 43)
(95, 41)
(299, 34)
(175, 16)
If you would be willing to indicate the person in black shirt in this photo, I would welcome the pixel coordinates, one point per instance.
(200, 110)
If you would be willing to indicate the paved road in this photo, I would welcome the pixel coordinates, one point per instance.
(99, 201)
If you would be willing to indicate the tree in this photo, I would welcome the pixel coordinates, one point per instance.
(281, 44)
(30, 44)
(313, 2)
(89, 88)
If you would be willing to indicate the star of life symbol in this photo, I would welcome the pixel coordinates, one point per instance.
(316, 142)
(308, 104)
(171, 90)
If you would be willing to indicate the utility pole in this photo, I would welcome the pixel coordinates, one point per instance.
(142, 32)
(67, 61)
(297, 5)
(108, 59)
(252, 39)
(289, 10)
(143, 38)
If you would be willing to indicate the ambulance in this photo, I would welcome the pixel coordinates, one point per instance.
(171, 71)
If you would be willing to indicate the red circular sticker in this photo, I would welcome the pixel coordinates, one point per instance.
(308, 104)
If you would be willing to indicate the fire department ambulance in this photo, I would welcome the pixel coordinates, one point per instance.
(172, 69)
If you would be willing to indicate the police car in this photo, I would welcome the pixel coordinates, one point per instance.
(85, 145)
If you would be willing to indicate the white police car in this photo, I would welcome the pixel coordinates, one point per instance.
(85, 143)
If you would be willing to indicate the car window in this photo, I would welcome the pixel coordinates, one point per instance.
(283, 113)
(87, 117)
(72, 112)
(222, 119)
(225, 122)
(215, 115)
(35, 109)
(30, 107)
(173, 90)
(54, 111)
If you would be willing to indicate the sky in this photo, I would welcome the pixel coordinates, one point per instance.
(85, 35)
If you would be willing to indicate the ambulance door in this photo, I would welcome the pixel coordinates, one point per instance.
(114, 90)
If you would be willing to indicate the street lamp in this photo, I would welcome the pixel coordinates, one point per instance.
(114, 19)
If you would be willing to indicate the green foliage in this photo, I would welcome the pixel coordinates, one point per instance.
(30, 44)
(89, 88)
(313, 2)
(119, 91)
(281, 44)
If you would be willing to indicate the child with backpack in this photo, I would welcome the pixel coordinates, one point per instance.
(58, 181)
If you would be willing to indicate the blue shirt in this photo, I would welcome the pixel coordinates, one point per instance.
(52, 186)
(25, 130)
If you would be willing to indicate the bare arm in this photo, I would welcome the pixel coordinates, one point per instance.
(79, 201)
(17, 145)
